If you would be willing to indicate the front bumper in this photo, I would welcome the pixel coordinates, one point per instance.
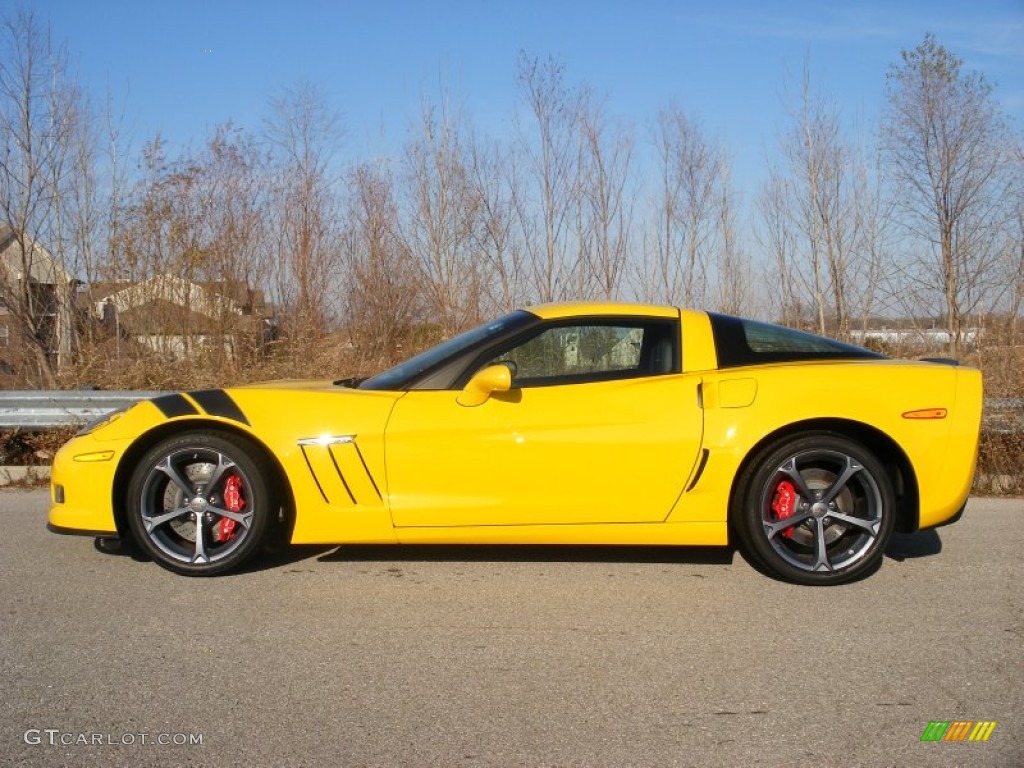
(81, 487)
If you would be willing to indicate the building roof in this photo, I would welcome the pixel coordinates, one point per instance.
(211, 298)
(36, 261)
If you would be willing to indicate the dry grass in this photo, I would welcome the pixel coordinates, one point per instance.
(1000, 464)
(19, 447)
(331, 358)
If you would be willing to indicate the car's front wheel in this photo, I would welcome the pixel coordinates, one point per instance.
(815, 509)
(200, 503)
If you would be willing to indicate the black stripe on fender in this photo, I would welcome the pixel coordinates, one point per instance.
(173, 406)
(217, 402)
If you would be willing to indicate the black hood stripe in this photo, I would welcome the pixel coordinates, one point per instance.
(173, 406)
(217, 402)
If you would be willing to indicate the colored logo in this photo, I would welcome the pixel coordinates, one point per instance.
(958, 730)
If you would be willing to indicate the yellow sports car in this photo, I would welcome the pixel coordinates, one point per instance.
(563, 424)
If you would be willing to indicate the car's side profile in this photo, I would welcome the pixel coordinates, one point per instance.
(564, 424)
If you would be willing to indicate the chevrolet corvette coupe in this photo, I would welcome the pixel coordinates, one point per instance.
(572, 424)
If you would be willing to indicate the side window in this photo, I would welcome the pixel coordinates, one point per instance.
(567, 354)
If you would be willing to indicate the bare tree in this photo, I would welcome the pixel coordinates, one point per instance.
(947, 144)
(733, 272)
(687, 231)
(872, 264)
(811, 194)
(162, 249)
(552, 160)
(81, 226)
(304, 133)
(86, 228)
(190, 253)
(439, 227)
(494, 170)
(1015, 245)
(778, 238)
(234, 191)
(605, 199)
(138, 248)
(384, 299)
(1001, 355)
(41, 115)
(823, 220)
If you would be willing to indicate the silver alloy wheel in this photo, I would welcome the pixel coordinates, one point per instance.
(184, 503)
(832, 515)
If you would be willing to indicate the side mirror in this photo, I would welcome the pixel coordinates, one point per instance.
(493, 378)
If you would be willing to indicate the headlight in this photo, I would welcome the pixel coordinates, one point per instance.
(100, 421)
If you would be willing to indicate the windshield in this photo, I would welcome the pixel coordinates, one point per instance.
(404, 374)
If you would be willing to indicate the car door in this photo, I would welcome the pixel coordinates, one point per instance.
(598, 427)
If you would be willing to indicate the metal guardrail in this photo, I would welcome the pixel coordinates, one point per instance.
(1003, 414)
(43, 409)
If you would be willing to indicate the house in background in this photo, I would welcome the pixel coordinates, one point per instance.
(176, 318)
(35, 293)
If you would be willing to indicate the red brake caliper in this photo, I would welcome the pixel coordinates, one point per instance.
(784, 503)
(233, 502)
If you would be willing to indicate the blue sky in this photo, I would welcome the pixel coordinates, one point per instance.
(181, 67)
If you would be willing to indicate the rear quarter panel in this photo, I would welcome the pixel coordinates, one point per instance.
(746, 406)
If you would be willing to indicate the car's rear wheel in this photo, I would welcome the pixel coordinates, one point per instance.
(815, 509)
(200, 503)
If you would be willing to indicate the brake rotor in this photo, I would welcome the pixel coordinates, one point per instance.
(174, 498)
(817, 479)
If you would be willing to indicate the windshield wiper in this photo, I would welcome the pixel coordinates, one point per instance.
(351, 382)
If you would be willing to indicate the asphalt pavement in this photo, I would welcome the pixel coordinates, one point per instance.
(524, 656)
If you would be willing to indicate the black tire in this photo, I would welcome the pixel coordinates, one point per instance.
(207, 483)
(815, 509)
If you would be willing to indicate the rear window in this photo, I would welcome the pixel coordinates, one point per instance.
(747, 342)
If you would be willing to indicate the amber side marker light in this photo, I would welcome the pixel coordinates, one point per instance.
(926, 413)
(98, 456)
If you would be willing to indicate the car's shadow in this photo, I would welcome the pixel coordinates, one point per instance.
(901, 547)
(522, 553)
(907, 546)
(463, 553)
(276, 557)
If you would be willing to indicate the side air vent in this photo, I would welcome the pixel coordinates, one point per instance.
(340, 472)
